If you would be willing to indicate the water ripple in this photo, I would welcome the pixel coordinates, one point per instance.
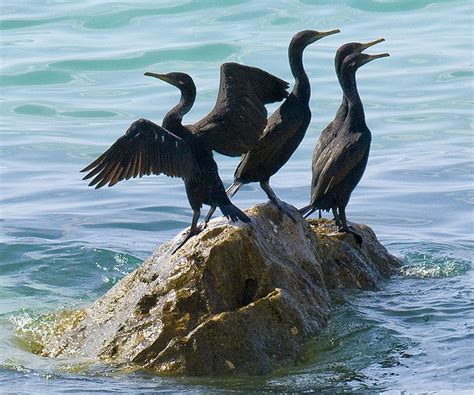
(40, 77)
(7, 24)
(35, 109)
(89, 114)
(376, 6)
(199, 53)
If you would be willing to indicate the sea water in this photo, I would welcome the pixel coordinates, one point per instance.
(72, 82)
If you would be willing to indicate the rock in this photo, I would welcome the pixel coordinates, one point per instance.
(237, 299)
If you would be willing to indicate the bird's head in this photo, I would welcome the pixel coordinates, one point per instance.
(356, 60)
(304, 38)
(350, 48)
(180, 80)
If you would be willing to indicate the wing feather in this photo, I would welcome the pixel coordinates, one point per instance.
(336, 162)
(238, 119)
(144, 149)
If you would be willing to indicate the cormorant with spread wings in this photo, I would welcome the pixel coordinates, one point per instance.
(235, 123)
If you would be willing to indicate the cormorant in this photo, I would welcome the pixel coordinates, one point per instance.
(236, 123)
(340, 166)
(239, 116)
(330, 132)
(285, 128)
(185, 152)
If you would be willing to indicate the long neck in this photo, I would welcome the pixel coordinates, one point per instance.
(342, 111)
(351, 95)
(174, 117)
(302, 88)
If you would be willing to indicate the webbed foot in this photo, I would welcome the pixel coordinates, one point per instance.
(208, 217)
(284, 208)
(193, 231)
(190, 234)
(357, 236)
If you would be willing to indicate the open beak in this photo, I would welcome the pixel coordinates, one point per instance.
(370, 43)
(162, 77)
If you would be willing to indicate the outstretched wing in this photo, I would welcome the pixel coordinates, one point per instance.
(238, 119)
(144, 149)
(336, 163)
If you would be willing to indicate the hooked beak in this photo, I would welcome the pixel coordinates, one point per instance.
(319, 35)
(370, 43)
(162, 77)
(373, 57)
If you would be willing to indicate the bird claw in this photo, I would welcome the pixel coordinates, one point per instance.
(202, 227)
(187, 237)
(357, 236)
(281, 206)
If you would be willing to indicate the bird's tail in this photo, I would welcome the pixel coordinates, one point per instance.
(234, 213)
(232, 190)
(307, 210)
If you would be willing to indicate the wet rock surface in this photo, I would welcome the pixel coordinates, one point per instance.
(236, 299)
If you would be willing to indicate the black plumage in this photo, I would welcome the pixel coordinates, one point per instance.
(186, 152)
(147, 148)
(330, 131)
(286, 127)
(238, 118)
(340, 166)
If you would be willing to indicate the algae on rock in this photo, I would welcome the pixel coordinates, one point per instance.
(239, 298)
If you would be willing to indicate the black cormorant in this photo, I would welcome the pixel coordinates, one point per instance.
(239, 116)
(340, 166)
(179, 151)
(236, 123)
(330, 131)
(148, 148)
(285, 129)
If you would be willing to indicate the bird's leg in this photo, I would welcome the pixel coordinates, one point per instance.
(271, 195)
(345, 227)
(320, 214)
(232, 190)
(208, 217)
(336, 217)
(193, 231)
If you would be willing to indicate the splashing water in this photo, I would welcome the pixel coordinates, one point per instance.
(429, 266)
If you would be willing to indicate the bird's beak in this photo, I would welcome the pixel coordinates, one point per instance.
(162, 77)
(370, 43)
(373, 57)
(319, 35)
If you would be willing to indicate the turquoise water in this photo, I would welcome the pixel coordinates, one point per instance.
(72, 81)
